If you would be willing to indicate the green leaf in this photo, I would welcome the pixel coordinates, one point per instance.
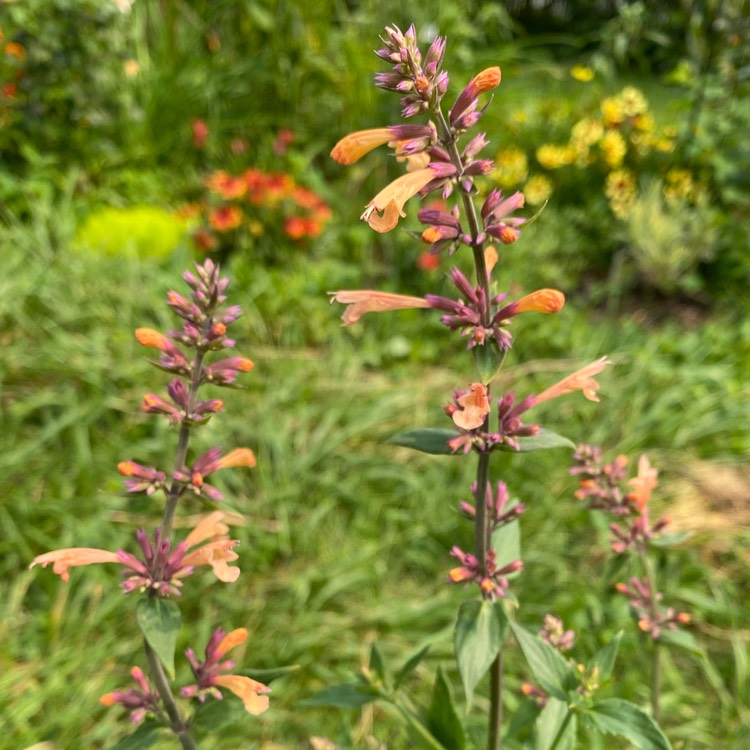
(409, 666)
(142, 738)
(488, 359)
(346, 695)
(432, 440)
(543, 440)
(605, 657)
(267, 676)
(377, 663)
(213, 715)
(669, 540)
(442, 718)
(159, 621)
(619, 717)
(478, 636)
(547, 665)
(506, 541)
(556, 727)
(681, 639)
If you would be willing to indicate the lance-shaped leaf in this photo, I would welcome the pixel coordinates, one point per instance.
(506, 541)
(681, 639)
(605, 657)
(442, 719)
(409, 666)
(346, 695)
(143, 737)
(556, 727)
(426, 439)
(619, 717)
(159, 621)
(547, 665)
(377, 662)
(542, 441)
(488, 359)
(478, 636)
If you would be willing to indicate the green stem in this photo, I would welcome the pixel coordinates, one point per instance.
(655, 657)
(177, 724)
(496, 703)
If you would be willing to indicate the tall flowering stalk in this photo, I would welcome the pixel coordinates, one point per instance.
(161, 562)
(605, 487)
(443, 155)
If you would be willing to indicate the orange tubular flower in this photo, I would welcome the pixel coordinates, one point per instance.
(62, 559)
(363, 301)
(581, 380)
(383, 211)
(154, 339)
(354, 146)
(543, 301)
(642, 484)
(238, 457)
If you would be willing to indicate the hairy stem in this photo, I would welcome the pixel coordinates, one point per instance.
(495, 740)
(177, 724)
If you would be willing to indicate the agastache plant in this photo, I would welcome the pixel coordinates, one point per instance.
(161, 561)
(605, 487)
(442, 155)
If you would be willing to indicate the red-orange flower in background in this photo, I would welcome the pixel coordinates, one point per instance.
(226, 218)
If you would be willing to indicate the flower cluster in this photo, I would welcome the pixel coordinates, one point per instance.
(492, 580)
(162, 566)
(603, 487)
(653, 619)
(470, 410)
(241, 208)
(210, 673)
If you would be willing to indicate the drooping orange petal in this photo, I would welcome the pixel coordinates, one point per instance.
(72, 557)
(581, 380)
(543, 301)
(391, 199)
(152, 338)
(230, 640)
(354, 146)
(209, 527)
(218, 554)
(643, 484)
(238, 457)
(362, 301)
(247, 690)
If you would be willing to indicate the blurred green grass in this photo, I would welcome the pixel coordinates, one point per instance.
(347, 539)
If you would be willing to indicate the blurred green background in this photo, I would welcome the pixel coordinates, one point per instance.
(122, 128)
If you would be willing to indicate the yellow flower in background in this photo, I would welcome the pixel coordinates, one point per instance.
(644, 122)
(587, 131)
(511, 167)
(612, 110)
(520, 116)
(551, 156)
(582, 73)
(613, 148)
(537, 190)
(642, 142)
(663, 145)
(633, 102)
(620, 189)
(679, 185)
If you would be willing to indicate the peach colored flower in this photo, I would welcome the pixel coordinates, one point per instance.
(475, 407)
(383, 211)
(581, 380)
(363, 301)
(72, 557)
(643, 484)
(543, 301)
(354, 146)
